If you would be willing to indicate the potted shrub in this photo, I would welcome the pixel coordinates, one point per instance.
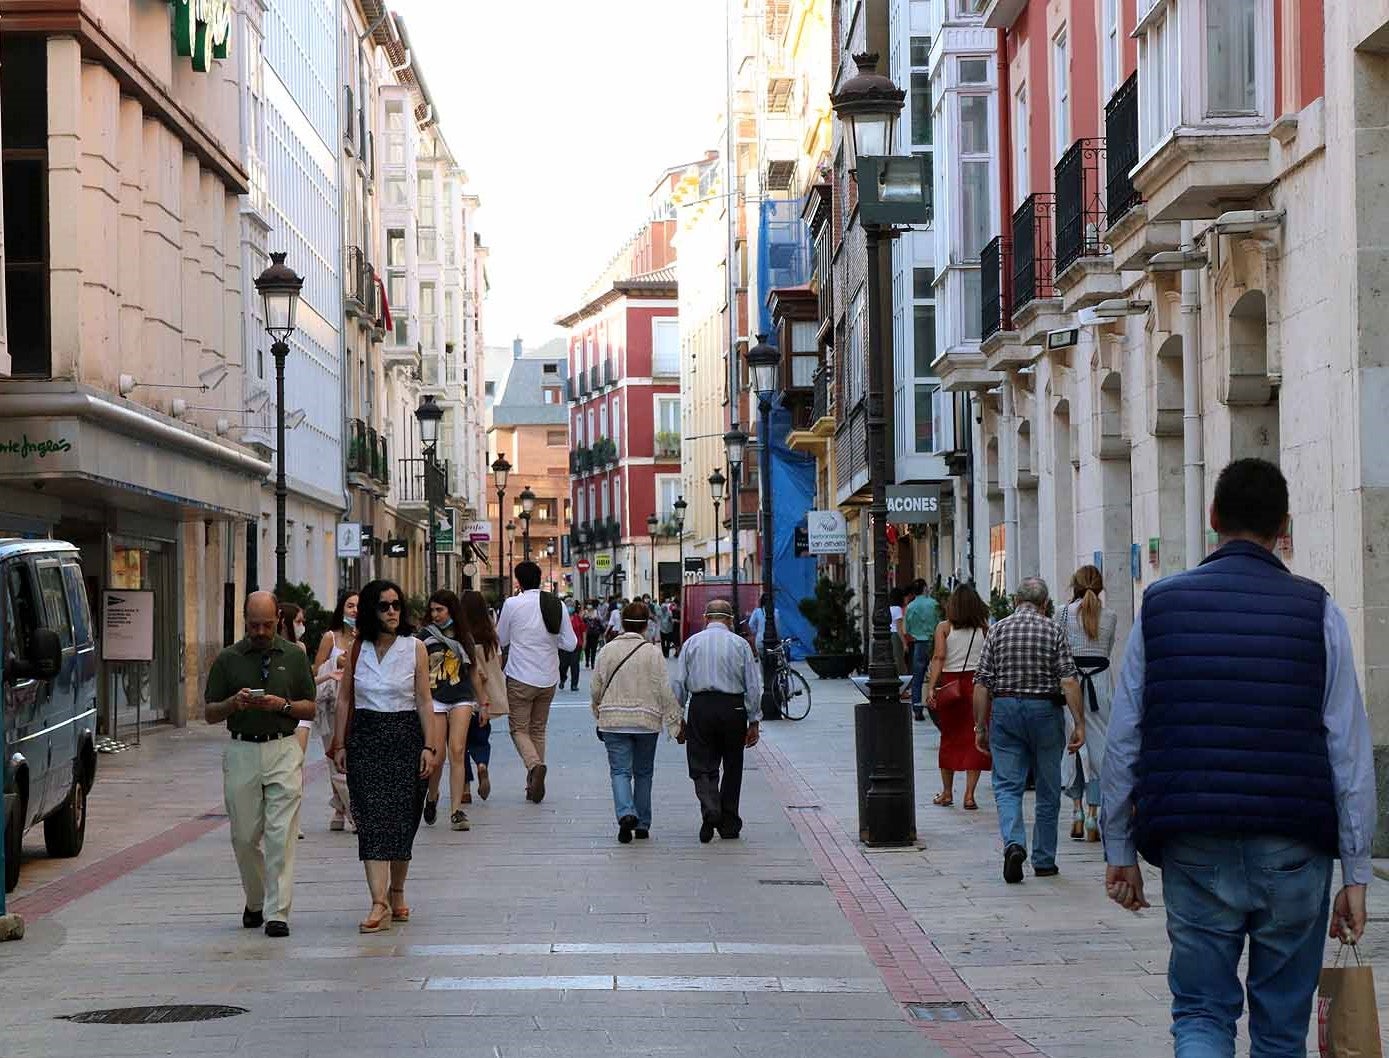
(835, 617)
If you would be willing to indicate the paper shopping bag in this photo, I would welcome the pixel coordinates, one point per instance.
(1347, 1021)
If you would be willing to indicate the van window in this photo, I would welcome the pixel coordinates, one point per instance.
(55, 601)
(77, 603)
(24, 608)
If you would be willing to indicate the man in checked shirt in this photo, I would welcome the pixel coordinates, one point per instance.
(1025, 672)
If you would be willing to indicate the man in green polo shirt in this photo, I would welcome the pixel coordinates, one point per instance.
(262, 687)
(920, 622)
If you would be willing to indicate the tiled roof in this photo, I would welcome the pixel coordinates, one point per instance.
(520, 399)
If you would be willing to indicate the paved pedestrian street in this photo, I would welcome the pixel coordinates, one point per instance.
(537, 934)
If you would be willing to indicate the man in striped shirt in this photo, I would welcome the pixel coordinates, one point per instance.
(718, 674)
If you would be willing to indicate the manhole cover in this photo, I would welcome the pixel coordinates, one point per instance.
(789, 881)
(153, 1015)
(942, 1012)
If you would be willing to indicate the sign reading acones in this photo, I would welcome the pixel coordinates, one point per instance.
(202, 30)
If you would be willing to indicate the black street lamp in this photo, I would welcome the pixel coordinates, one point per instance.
(891, 191)
(583, 549)
(527, 507)
(716, 484)
(428, 415)
(500, 469)
(735, 442)
(279, 287)
(764, 364)
(652, 523)
(510, 544)
(679, 507)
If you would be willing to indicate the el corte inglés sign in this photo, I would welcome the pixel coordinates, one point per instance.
(202, 30)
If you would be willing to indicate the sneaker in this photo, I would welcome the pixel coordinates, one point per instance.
(535, 784)
(918, 713)
(276, 928)
(459, 821)
(1013, 858)
(431, 812)
(625, 826)
(1046, 872)
(252, 919)
(484, 781)
(642, 833)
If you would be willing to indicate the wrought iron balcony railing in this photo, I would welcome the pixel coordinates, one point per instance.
(355, 279)
(1080, 212)
(1032, 250)
(420, 478)
(995, 301)
(820, 406)
(1121, 138)
(358, 462)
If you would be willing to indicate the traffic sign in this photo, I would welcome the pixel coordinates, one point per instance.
(603, 562)
(582, 565)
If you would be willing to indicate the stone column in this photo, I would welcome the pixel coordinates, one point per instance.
(66, 236)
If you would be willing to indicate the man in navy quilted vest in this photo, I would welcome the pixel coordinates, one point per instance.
(1239, 762)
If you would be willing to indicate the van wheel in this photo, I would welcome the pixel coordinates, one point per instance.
(66, 829)
(14, 846)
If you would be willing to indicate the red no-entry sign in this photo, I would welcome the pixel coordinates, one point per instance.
(582, 565)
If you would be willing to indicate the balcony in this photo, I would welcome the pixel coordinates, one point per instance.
(1085, 273)
(1121, 138)
(580, 461)
(667, 445)
(355, 282)
(373, 453)
(995, 261)
(593, 379)
(1036, 308)
(603, 453)
(358, 461)
(609, 375)
(419, 479)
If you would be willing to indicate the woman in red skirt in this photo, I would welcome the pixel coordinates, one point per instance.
(950, 692)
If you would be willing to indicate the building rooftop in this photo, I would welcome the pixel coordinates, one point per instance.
(520, 395)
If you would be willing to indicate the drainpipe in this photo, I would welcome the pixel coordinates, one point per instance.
(1008, 460)
(1005, 137)
(1193, 455)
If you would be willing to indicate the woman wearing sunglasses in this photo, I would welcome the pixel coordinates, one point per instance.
(383, 741)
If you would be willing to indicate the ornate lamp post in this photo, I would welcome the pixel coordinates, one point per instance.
(500, 469)
(679, 507)
(891, 191)
(429, 414)
(510, 544)
(716, 485)
(583, 549)
(279, 287)
(736, 444)
(764, 364)
(652, 524)
(527, 508)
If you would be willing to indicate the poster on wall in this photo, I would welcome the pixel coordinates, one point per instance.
(127, 625)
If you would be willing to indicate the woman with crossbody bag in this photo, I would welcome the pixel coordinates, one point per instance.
(632, 700)
(950, 693)
(1090, 629)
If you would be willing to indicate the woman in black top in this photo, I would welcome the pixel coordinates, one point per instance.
(450, 650)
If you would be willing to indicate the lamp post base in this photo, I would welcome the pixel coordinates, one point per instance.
(886, 782)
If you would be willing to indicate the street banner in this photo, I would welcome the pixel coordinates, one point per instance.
(349, 539)
(565, 558)
(913, 504)
(444, 536)
(603, 562)
(127, 625)
(828, 533)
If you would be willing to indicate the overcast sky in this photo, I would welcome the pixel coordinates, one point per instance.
(564, 114)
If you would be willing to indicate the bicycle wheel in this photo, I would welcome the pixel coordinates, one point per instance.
(796, 699)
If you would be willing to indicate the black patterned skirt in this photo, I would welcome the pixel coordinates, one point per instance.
(383, 766)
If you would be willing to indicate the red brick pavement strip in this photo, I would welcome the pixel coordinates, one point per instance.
(911, 966)
(83, 882)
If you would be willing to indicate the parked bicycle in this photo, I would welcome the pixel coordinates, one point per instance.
(790, 688)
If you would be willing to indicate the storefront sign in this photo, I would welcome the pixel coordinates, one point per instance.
(127, 625)
(25, 448)
(397, 548)
(349, 540)
(202, 31)
(603, 562)
(694, 564)
(478, 532)
(828, 533)
(1154, 551)
(444, 535)
(913, 504)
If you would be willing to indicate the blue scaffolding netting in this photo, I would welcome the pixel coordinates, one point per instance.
(783, 258)
(793, 495)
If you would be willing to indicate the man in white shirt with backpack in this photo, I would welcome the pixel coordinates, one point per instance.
(533, 628)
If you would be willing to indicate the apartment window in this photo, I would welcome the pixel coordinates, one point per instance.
(395, 294)
(617, 498)
(1020, 146)
(395, 191)
(925, 416)
(427, 198)
(975, 206)
(921, 109)
(395, 136)
(972, 7)
(923, 284)
(578, 429)
(1159, 73)
(665, 343)
(1109, 43)
(1232, 48)
(1061, 94)
(427, 305)
(921, 51)
(603, 421)
(973, 298)
(607, 503)
(592, 435)
(668, 415)
(855, 381)
(550, 395)
(617, 424)
(974, 124)
(924, 338)
(395, 248)
(974, 71)
(557, 438)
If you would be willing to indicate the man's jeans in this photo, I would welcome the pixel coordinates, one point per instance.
(1219, 889)
(922, 651)
(1027, 733)
(632, 762)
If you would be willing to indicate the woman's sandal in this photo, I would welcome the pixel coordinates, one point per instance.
(374, 923)
(402, 913)
(944, 800)
(971, 804)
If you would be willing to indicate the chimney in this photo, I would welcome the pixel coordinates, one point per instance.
(516, 349)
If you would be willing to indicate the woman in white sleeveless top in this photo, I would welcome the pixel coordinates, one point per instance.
(329, 664)
(1090, 628)
(950, 692)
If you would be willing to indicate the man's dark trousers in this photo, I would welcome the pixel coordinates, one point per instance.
(715, 735)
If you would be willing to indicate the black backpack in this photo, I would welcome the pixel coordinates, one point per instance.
(551, 612)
